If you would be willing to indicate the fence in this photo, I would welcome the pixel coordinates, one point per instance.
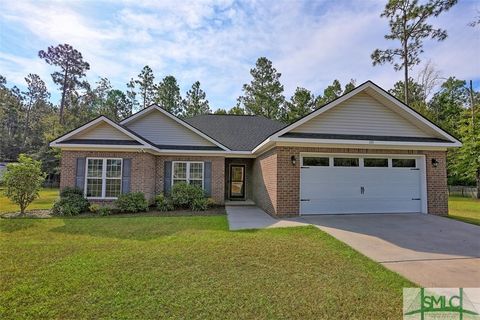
(462, 191)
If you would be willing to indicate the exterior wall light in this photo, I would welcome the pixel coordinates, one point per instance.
(294, 160)
(434, 163)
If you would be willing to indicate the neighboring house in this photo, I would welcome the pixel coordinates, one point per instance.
(365, 152)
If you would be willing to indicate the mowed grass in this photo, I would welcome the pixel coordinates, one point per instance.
(45, 201)
(464, 209)
(188, 268)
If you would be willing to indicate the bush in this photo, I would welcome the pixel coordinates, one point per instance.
(102, 210)
(184, 194)
(200, 204)
(69, 191)
(163, 203)
(71, 205)
(23, 181)
(94, 207)
(132, 202)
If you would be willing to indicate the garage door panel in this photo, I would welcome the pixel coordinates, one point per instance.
(331, 190)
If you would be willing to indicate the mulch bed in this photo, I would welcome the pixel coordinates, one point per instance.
(42, 214)
(151, 213)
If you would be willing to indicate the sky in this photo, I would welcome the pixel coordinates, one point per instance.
(310, 43)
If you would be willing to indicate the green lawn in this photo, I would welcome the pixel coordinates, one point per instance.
(464, 209)
(185, 267)
(47, 197)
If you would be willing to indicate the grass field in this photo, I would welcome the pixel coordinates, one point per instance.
(185, 267)
(47, 197)
(464, 209)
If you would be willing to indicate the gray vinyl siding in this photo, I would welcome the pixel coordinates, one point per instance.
(362, 115)
(160, 129)
(102, 131)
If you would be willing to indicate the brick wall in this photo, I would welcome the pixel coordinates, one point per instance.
(218, 173)
(147, 170)
(142, 174)
(285, 198)
(437, 188)
(265, 181)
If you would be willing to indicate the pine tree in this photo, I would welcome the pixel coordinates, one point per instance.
(301, 103)
(168, 95)
(195, 102)
(264, 95)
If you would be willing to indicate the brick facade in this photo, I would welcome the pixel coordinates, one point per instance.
(279, 185)
(218, 173)
(274, 184)
(142, 171)
(146, 171)
(265, 181)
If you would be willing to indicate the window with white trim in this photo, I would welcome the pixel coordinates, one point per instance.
(103, 178)
(188, 172)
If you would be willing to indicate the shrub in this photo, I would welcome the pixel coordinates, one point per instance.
(94, 208)
(69, 191)
(132, 202)
(23, 181)
(200, 204)
(163, 203)
(72, 205)
(104, 211)
(184, 194)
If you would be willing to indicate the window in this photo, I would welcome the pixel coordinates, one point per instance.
(103, 178)
(345, 162)
(375, 163)
(188, 172)
(316, 161)
(404, 163)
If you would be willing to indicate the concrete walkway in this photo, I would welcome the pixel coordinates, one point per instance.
(252, 217)
(428, 250)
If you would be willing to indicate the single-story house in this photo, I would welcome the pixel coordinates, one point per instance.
(365, 152)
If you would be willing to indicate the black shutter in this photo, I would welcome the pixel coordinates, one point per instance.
(80, 174)
(126, 175)
(207, 180)
(167, 177)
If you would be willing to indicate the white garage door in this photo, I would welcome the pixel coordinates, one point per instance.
(360, 184)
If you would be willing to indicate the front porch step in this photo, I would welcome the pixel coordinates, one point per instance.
(239, 203)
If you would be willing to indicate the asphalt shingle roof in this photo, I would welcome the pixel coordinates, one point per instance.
(238, 133)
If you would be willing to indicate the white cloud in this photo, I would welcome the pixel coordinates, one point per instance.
(217, 42)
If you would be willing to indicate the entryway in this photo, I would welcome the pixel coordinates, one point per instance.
(238, 180)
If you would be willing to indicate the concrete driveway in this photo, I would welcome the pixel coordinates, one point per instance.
(429, 250)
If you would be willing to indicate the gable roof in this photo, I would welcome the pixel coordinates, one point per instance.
(241, 133)
(68, 138)
(285, 134)
(154, 107)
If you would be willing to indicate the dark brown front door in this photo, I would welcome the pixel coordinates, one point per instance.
(237, 182)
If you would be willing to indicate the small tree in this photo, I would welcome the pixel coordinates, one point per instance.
(23, 181)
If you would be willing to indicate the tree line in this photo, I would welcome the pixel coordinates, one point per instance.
(29, 120)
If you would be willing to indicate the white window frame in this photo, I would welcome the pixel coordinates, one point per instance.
(187, 176)
(104, 177)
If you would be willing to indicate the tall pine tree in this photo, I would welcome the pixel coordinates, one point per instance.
(195, 102)
(168, 95)
(264, 95)
(301, 103)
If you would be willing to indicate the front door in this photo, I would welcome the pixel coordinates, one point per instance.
(237, 182)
